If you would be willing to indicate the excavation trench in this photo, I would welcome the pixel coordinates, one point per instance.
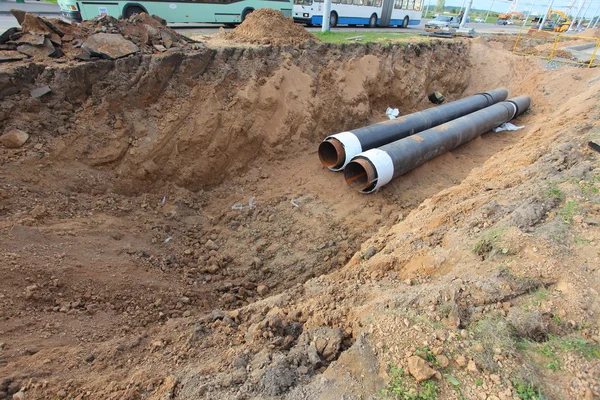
(196, 177)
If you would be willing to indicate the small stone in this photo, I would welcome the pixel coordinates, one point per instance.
(20, 395)
(2, 345)
(461, 361)
(185, 300)
(408, 282)
(187, 313)
(419, 369)
(478, 348)
(160, 47)
(229, 298)
(262, 289)
(464, 334)
(303, 370)
(438, 375)
(471, 367)
(495, 378)
(443, 361)
(371, 251)
(14, 139)
(41, 91)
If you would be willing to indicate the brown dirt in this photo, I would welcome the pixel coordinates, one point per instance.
(590, 32)
(156, 191)
(268, 26)
(149, 33)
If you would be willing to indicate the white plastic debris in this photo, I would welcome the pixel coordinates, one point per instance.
(392, 113)
(251, 202)
(163, 201)
(293, 202)
(167, 240)
(507, 126)
(237, 206)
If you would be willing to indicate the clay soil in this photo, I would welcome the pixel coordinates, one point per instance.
(169, 232)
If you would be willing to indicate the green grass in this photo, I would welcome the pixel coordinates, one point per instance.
(51, 1)
(426, 354)
(569, 210)
(366, 37)
(491, 241)
(553, 192)
(400, 388)
(526, 391)
(493, 332)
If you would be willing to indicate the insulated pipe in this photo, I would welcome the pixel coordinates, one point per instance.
(374, 168)
(337, 150)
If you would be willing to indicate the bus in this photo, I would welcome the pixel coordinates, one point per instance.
(371, 13)
(199, 11)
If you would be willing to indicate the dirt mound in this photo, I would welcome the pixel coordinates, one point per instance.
(539, 34)
(590, 32)
(267, 26)
(41, 38)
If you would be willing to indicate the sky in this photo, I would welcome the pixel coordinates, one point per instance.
(524, 6)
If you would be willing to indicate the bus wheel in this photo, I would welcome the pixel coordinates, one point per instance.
(405, 22)
(246, 12)
(373, 21)
(132, 11)
(333, 18)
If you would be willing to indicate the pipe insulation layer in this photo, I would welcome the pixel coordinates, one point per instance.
(337, 150)
(374, 168)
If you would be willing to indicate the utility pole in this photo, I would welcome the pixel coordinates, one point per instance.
(597, 18)
(427, 9)
(546, 15)
(528, 15)
(583, 16)
(466, 14)
(576, 15)
(488, 13)
(326, 15)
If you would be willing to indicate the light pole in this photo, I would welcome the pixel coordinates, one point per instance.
(546, 16)
(583, 16)
(427, 9)
(528, 15)
(488, 13)
(326, 15)
(466, 14)
(576, 15)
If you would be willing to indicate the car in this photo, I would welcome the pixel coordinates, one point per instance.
(501, 21)
(509, 22)
(479, 20)
(442, 21)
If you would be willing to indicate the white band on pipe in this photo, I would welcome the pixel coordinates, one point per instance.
(384, 166)
(351, 145)
(516, 110)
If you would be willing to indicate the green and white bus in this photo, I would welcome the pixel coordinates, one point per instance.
(198, 11)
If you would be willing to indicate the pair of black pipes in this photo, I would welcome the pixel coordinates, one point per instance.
(376, 154)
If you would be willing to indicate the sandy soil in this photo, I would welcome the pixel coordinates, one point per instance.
(168, 231)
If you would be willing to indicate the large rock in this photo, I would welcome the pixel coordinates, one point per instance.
(45, 50)
(7, 55)
(109, 45)
(419, 369)
(14, 139)
(34, 24)
(18, 14)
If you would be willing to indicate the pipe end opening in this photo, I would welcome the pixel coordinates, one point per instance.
(331, 153)
(360, 175)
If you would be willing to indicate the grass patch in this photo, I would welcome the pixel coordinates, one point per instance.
(401, 388)
(553, 192)
(527, 391)
(493, 332)
(569, 210)
(551, 350)
(492, 241)
(366, 37)
(51, 1)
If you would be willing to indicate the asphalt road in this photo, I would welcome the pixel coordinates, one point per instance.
(8, 21)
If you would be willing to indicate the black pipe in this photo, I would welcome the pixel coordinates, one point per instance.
(337, 150)
(374, 168)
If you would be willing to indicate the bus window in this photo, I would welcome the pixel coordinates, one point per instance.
(411, 5)
(418, 5)
(398, 4)
(404, 4)
(369, 3)
(303, 2)
(377, 3)
(358, 2)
